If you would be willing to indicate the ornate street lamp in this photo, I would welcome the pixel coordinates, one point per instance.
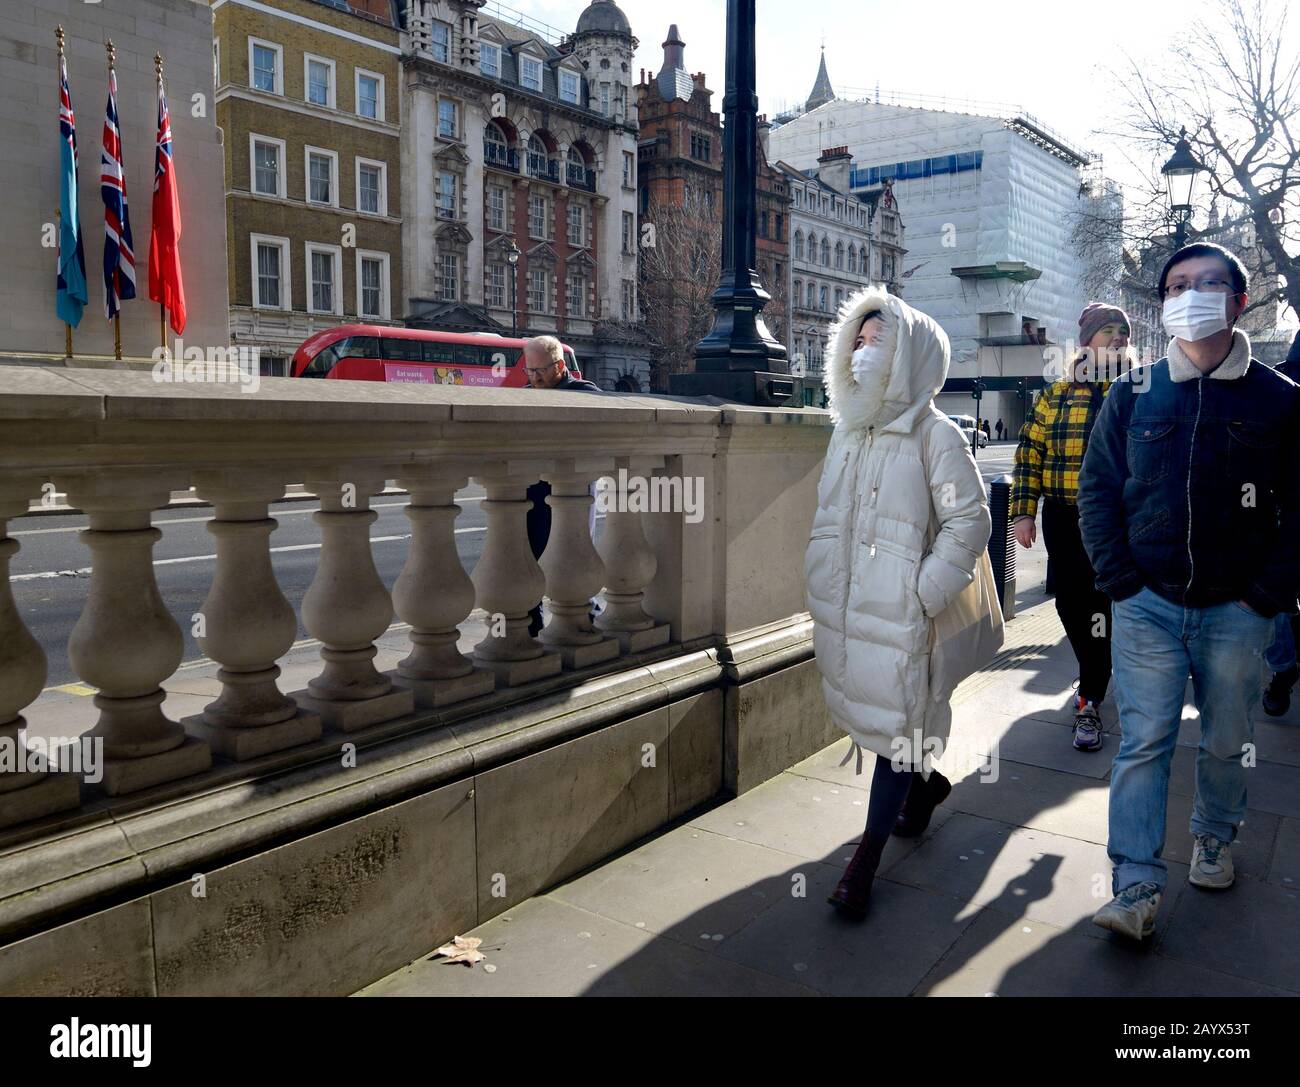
(512, 257)
(1180, 178)
(739, 359)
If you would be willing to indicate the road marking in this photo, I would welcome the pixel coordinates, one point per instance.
(84, 571)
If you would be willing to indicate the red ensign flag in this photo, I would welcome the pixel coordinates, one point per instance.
(165, 283)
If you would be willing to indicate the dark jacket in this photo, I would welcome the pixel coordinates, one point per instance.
(538, 520)
(1190, 487)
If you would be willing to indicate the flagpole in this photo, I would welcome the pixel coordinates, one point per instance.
(162, 306)
(58, 214)
(117, 317)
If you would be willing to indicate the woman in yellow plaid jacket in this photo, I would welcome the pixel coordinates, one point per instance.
(1047, 464)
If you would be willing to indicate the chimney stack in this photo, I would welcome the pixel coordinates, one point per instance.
(833, 166)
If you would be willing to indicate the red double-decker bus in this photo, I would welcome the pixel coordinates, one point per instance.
(384, 353)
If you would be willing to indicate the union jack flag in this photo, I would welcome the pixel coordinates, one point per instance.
(119, 250)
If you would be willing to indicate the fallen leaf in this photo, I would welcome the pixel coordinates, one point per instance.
(462, 949)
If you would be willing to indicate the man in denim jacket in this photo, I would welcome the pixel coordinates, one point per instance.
(1189, 505)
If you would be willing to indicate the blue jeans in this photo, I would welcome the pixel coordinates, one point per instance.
(1281, 653)
(1155, 645)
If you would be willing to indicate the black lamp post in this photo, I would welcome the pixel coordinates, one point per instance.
(739, 359)
(512, 257)
(1180, 177)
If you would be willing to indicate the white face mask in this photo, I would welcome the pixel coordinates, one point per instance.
(1195, 315)
(868, 357)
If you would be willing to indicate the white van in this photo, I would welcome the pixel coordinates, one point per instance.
(967, 424)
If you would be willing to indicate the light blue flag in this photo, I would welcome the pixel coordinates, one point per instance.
(70, 283)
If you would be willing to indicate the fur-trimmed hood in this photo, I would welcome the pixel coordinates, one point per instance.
(917, 373)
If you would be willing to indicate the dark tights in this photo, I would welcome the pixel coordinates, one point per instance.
(888, 791)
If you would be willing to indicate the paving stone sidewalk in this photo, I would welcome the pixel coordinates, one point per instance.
(995, 899)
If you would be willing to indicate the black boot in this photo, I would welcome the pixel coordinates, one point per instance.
(853, 893)
(922, 798)
(1277, 695)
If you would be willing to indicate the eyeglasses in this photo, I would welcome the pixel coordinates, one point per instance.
(1213, 284)
(541, 369)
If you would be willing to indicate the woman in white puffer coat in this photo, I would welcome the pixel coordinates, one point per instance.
(902, 519)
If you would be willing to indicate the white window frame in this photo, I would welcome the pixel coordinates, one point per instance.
(581, 213)
(629, 170)
(580, 295)
(524, 59)
(442, 277)
(604, 99)
(456, 184)
(336, 253)
(497, 50)
(492, 191)
(384, 284)
(577, 86)
(546, 275)
(506, 271)
(628, 232)
(281, 174)
(333, 156)
(456, 114)
(331, 99)
(380, 104)
(279, 65)
(286, 273)
(545, 214)
(434, 44)
(383, 185)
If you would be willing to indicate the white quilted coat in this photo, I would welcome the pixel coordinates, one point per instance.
(877, 569)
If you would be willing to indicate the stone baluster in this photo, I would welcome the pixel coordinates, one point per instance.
(247, 624)
(630, 562)
(23, 795)
(434, 594)
(508, 581)
(126, 643)
(347, 607)
(574, 571)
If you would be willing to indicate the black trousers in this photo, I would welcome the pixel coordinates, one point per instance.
(1083, 608)
(539, 532)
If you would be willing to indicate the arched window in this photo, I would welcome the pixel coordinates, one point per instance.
(812, 295)
(853, 259)
(537, 156)
(798, 244)
(839, 298)
(495, 148)
(812, 247)
(824, 299)
(862, 261)
(826, 253)
(839, 255)
(576, 159)
(797, 293)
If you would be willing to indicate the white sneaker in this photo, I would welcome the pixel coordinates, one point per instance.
(1132, 912)
(1211, 863)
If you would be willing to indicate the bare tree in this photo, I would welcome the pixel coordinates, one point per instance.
(1233, 85)
(680, 264)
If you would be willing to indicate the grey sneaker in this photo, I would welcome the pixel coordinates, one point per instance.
(1132, 912)
(1087, 726)
(1211, 863)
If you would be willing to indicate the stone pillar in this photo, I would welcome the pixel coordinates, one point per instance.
(347, 607)
(434, 594)
(126, 642)
(247, 624)
(629, 561)
(23, 795)
(508, 581)
(574, 571)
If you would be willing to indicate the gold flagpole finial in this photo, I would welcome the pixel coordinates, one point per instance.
(112, 55)
(158, 66)
(58, 33)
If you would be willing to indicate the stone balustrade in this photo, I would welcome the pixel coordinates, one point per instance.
(118, 443)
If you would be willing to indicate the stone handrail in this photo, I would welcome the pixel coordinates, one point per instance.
(118, 443)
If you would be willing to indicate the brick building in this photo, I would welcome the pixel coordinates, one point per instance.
(679, 154)
(307, 97)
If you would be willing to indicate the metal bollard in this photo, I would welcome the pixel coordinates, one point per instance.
(1002, 544)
